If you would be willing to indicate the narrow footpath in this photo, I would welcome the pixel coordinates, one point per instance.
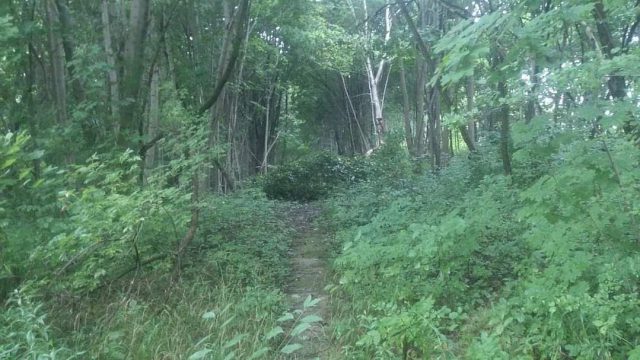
(309, 252)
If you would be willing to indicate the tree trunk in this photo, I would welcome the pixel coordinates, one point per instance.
(421, 81)
(268, 125)
(406, 111)
(56, 54)
(531, 107)
(435, 137)
(365, 146)
(616, 83)
(235, 146)
(133, 69)
(219, 111)
(505, 131)
(446, 146)
(376, 102)
(154, 119)
(374, 76)
(242, 14)
(112, 73)
(66, 30)
(468, 131)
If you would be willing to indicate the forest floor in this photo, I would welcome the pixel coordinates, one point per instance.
(309, 277)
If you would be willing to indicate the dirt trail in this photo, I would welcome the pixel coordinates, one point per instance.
(309, 273)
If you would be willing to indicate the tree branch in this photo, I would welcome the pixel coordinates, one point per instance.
(146, 147)
(242, 12)
(461, 12)
(424, 48)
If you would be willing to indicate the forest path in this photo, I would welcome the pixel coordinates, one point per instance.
(309, 276)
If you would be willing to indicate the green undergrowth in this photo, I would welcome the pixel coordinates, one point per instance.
(313, 177)
(226, 303)
(467, 263)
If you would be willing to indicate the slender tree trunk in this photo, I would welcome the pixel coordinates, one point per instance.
(112, 73)
(363, 139)
(235, 145)
(446, 146)
(219, 110)
(242, 14)
(66, 31)
(616, 83)
(267, 127)
(505, 131)
(425, 66)
(265, 151)
(468, 132)
(56, 54)
(133, 69)
(435, 131)
(374, 76)
(406, 111)
(531, 107)
(376, 102)
(154, 118)
(420, 139)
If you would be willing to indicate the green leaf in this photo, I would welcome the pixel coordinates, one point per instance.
(209, 315)
(300, 328)
(274, 332)
(308, 302)
(7, 163)
(635, 353)
(286, 317)
(260, 353)
(291, 348)
(37, 154)
(228, 321)
(199, 354)
(310, 319)
(235, 341)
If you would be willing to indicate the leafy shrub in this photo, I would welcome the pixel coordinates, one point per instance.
(107, 225)
(227, 301)
(16, 176)
(243, 241)
(455, 266)
(284, 336)
(312, 178)
(25, 332)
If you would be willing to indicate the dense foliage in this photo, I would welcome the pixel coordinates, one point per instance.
(477, 161)
(460, 265)
(313, 177)
(227, 303)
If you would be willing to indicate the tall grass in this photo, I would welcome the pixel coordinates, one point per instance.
(194, 317)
